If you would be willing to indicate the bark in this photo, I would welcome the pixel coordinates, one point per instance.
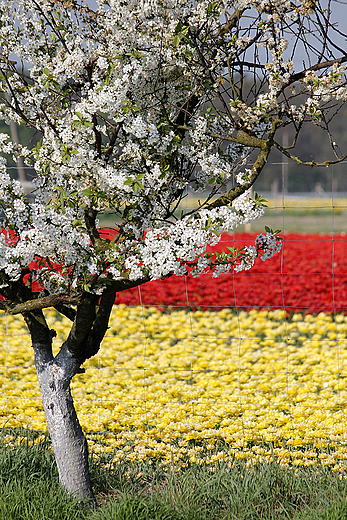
(54, 375)
(69, 443)
(90, 322)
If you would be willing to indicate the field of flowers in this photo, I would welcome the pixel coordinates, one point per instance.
(309, 275)
(216, 383)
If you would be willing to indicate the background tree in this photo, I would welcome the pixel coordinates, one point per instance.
(135, 103)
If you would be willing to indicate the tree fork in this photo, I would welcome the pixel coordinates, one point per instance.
(69, 443)
(54, 375)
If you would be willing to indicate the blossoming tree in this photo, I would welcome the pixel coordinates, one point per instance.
(134, 103)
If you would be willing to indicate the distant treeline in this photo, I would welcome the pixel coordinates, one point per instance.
(314, 145)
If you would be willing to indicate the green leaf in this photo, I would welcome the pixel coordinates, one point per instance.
(211, 7)
(38, 146)
(178, 28)
(176, 40)
(137, 186)
(87, 192)
(270, 230)
(259, 201)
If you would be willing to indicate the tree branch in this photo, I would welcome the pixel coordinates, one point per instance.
(53, 25)
(227, 198)
(100, 324)
(284, 150)
(40, 333)
(318, 66)
(185, 114)
(231, 23)
(90, 220)
(40, 303)
(66, 311)
(112, 143)
(80, 330)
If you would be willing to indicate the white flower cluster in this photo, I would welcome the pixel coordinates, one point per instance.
(171, 248)
(244, 177)
(269, 244)
(250, 254)
(247, 208)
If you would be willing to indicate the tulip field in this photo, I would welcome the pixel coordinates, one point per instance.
(250, 366)
(310, 275)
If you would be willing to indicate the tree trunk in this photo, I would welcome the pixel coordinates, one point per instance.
(69, 443)
(90, 322)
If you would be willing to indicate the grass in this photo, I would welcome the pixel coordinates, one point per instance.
(301, 221)
(29, 489)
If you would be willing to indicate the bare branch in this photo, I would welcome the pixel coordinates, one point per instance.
(284, 150)
(82, 325)
(67, 311)
(227, 198)
(41, 303)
